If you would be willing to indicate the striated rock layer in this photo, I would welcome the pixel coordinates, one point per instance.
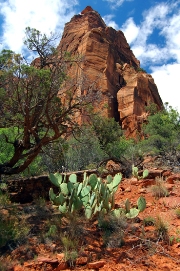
(110, 64)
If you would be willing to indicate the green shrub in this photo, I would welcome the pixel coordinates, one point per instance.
(83, 151)
(12, 231)
(163, 132)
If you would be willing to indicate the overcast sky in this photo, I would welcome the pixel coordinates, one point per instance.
(152, 29)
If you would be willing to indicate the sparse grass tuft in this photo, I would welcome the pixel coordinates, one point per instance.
(4, 199)
(161, 228)
(177, 212)
(70, 247)
(148, 221)
(112, 229)
(159, 190)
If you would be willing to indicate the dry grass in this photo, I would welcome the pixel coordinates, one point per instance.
(159, 190)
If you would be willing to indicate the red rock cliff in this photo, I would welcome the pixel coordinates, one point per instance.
(109, 61)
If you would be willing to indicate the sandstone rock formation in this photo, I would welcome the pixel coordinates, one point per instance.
(110, 64)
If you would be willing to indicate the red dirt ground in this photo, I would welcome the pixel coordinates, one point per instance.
(143, 249)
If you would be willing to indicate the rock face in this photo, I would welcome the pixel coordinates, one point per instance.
(110, 64)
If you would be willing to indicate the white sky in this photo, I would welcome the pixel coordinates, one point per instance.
(162, 57)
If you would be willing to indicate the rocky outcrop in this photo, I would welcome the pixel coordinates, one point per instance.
(109, 63)
(139, 91)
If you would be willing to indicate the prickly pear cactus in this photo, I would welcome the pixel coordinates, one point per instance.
(131, 212)
(141, 203)
(92, 194)
(135, 173)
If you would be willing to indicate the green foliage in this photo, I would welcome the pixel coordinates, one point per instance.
(92, 195)
(84, 149)
(93, 144)
(38, 42)
(52, 232)
(7, 137)
(108, 132)
(35, 107)
(141, 70)
(70, 249)
(151, 108)
(11, 230)
(4, 198)
(163, 131)
(6, 149)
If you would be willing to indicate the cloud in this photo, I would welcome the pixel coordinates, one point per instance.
(162, 20)
(109, 22)
(168, 81)
(130, 29)
(43, 15)
(117, 3)
(155, 42)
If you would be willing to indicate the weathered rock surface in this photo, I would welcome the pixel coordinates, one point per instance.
(111, 67)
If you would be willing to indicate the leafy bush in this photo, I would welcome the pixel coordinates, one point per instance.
(163, 132)
(11, 230)
(108, 132)
(83, 149)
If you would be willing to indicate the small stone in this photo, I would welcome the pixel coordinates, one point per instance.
(60, 256)
(47, 260)
(128, 189)
(81, 261)
(169, 187)
(174, 177)
(133, 181)
(96, 265)
(142, 190)
(18, 268)
(61, 266)
(26, 264)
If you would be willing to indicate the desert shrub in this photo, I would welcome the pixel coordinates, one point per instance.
(108, 132)
(159, 190)
(53, 156)
(4, 199)
(177, 212)
(163, 133)
(161, 228)
(112, 229)
(12, 231)
(83, 149)
(151, 108)
(148, 221)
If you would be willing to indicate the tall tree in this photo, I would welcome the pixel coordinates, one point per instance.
(37, 99)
